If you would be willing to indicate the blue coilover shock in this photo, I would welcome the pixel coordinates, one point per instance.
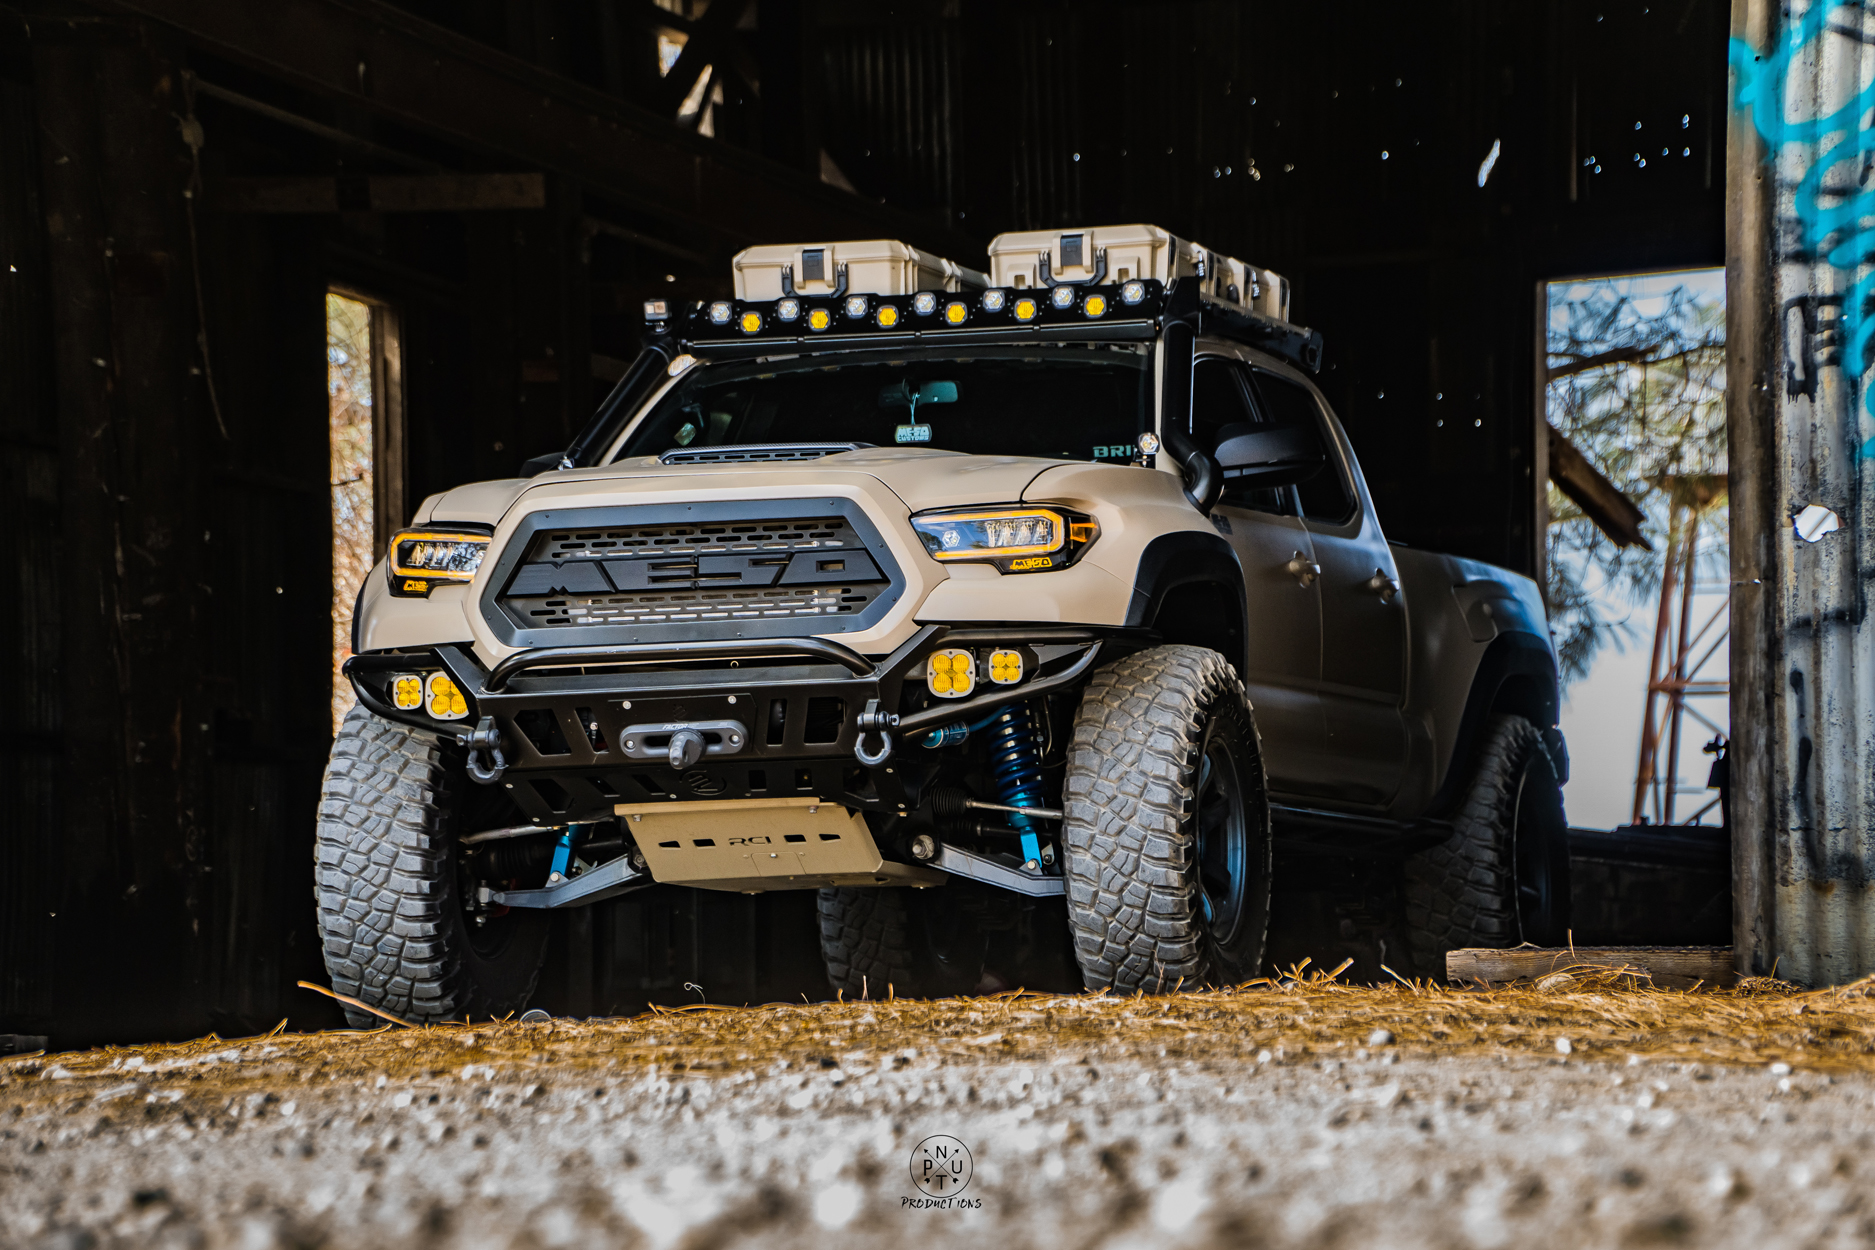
(1016, 768)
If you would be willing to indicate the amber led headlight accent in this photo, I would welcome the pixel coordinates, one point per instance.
(1015, 540)
(420, 559)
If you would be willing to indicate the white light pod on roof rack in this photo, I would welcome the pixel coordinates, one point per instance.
(1118, 255)
(861, 267)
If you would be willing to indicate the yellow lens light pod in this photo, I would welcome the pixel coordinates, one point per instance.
(887, 316)
(1094, 305)
(442, 700)
(819, 319)
(1005, 667)
(407, 691)
(751, 323)
(951, 674)
(956, 312)
(1026, 309)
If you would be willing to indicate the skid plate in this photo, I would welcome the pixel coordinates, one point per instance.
(752, 845)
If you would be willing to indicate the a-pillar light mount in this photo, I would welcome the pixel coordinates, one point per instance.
(856, 317)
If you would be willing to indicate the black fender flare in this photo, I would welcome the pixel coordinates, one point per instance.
(1182, 559)
(1525, 663)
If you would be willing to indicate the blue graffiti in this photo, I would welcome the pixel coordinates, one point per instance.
(1832, 232)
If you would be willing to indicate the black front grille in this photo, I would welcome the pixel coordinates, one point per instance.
(803, 568)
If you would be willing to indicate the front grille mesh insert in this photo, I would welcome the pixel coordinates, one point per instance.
(721, 572)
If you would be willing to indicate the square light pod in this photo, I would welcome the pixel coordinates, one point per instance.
(1062, 297)
(951, 674)
(442, 700)
(992, 301)
(721, 312)
(924, 303)
(1005, 667)
(407, 692)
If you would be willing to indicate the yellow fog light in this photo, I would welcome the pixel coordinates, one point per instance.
(1025, 309)
(751, 323)
(407, 691)
(887, 316)
(819, 319)
(1005, 667)
(443, 700)
(956, 312)
(1094, 305)
(951, 674)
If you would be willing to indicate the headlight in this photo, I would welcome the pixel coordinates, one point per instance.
(421, 558)
(1015, 540)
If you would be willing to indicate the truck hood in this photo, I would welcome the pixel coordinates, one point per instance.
(921, 477)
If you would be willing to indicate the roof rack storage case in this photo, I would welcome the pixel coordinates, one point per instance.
(864, 267)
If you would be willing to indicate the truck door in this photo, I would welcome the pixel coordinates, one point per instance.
(1363, 681)
(1280, 590)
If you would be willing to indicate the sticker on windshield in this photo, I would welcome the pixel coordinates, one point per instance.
(912, 434)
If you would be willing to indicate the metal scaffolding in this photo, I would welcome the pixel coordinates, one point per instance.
(1674, 676)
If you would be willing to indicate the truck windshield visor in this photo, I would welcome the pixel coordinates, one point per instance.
(1071, 403)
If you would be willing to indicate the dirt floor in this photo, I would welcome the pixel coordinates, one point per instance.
(1280, 1114)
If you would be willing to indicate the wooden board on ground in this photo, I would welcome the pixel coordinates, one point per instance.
(1665, 967)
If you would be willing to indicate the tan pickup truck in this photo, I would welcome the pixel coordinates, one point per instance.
(973, 601)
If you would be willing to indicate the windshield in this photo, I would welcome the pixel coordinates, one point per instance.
(1072, 403)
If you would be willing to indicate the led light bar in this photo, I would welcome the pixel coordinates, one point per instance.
(924, 314)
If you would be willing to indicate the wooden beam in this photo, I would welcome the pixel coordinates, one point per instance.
(1665, 967)
(1600, 499)
(421, 193)
(373, 55)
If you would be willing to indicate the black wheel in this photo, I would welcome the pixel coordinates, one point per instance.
(1502, 878)
(1167, 825)
(391, 884)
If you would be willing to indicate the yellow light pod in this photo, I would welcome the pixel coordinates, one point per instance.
(407, 691)
(1094, 305)
(956, 312)
(1005, 667)
(819, 319)
(751, 323)
(1025, 309)
(887, 316)
(442, 699)
(951, 674)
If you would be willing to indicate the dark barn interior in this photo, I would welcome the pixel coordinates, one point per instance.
(183, 181)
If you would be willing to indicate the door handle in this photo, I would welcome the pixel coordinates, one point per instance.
(1303, 569)
(1384, 586)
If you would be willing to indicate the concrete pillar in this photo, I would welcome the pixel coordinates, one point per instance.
(1801, 416)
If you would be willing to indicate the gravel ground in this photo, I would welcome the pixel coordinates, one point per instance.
(1250, 1132)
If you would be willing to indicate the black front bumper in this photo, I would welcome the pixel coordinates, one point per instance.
(564, 715)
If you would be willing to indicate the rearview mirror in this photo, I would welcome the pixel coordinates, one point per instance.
(905, 395)
(1270, 456)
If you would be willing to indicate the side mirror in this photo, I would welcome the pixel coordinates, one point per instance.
(1270, 456)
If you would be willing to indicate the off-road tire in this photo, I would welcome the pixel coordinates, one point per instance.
(1510, 835)
(390, 917)
(866, 941)
(1135, 902)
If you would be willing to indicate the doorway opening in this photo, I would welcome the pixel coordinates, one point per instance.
(364, 403)
(1638, 575)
